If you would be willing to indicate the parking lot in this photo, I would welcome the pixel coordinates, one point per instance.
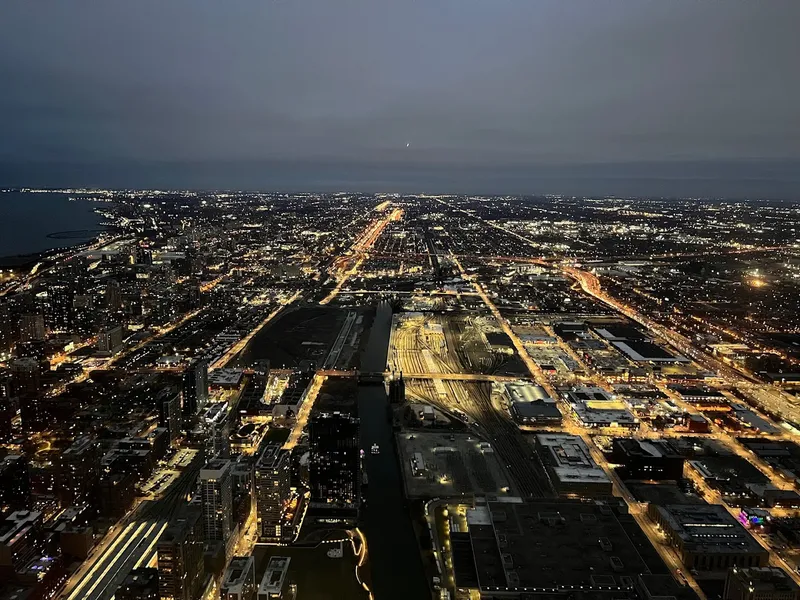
(449, 465)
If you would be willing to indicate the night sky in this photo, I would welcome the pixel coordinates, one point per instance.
(578, 96)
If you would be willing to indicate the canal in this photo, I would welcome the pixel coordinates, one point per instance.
(394, 556)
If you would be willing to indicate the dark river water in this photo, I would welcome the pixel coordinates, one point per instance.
(394, 556)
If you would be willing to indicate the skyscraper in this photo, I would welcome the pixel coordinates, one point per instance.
(8, 406)
(195, 387)
(273, 472)
(25, 374)
(113, 295)
(59, 310)
(216, 489)
(180, 558)
(239, 580)
(169, 412)
(335, 461)
(79, 471)
(397, 389)
(31, 328)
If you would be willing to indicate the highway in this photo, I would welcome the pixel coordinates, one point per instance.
(358, 253)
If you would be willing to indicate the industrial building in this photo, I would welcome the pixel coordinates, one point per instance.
(647, 459)
(595, 407)
(551, 548)
(529, 403)
(571, 466)
(707, 537)
(760, 583)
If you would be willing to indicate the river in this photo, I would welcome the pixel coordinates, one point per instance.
(394, 555)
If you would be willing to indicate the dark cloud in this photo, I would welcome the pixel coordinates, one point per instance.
(504, 84)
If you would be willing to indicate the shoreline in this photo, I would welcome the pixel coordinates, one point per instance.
(74, 240)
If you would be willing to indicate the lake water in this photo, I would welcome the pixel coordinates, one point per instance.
(26, 219)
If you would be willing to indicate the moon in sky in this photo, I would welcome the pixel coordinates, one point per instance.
(408, 144)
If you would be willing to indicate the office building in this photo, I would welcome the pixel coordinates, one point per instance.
(760, 583)
(31, 328)
(169, 413)
(272, 479)
(216, 492)
(335, 461)
(8, 407)
(113, 295)
(19, 539)
(26, 378)
(180, 558)
(239, 581)
(59, 307)
(109, 342)
(15, 483)
(79, 472)
(140, 584)
(707, 537)
(275, 582)
(195, 387)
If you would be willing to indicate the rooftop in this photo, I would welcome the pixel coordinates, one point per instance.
(708, 528)
(549, 546)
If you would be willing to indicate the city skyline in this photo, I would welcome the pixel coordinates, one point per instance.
(453, 96)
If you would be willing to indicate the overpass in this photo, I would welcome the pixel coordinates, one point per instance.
(380, 376)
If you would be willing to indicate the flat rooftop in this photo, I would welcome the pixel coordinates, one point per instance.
(548, 546)
(274, 576)
(570, 459)
(644, 351)
(708, 528)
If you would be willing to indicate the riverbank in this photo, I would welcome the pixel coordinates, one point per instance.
(394, 556)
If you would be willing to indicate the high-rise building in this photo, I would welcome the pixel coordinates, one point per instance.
(79, 472)
(180, 558)
(275, 584)
(31, 328)
(272, 479)
(239, 581)
(15, 483)
(760, 583)
(113, 296)
(25, 374)
(109, 342)
(169, 413)
(195, 387)
(8, 406)
(140, 584)
(59, 309)
(20, 539)
(216, 492)
(397, 389)
(335, 461)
